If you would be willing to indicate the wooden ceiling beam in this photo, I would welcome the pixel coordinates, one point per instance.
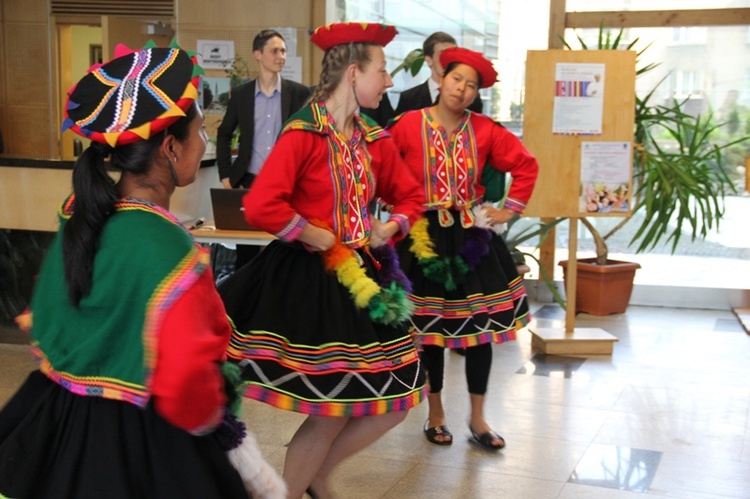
(658, 18)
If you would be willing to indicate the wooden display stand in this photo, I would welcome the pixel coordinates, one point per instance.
(743, 314)
(558, 188)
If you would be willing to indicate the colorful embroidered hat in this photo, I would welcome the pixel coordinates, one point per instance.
(135, 95)
(331, 35)
(474, 59)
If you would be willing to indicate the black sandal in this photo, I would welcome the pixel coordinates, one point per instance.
(432, 433)
(485, 440)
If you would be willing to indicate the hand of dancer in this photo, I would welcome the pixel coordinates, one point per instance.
(499, 216)
(382, 232)
(316, 238)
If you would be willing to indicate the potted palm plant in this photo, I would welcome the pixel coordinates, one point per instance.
(680, 181)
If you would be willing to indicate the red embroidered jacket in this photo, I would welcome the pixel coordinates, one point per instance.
(450, 167)
(315, 173)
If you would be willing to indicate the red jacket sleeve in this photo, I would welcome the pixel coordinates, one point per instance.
(507, 154)
(187, 384)
(268, 205)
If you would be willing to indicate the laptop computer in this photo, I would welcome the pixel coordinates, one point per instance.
(229, 214)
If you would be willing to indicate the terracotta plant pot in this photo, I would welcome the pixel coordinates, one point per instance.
(602, 289)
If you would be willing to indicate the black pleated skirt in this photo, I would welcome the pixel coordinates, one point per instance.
(305, 346)
(488, 302)
(56, 444)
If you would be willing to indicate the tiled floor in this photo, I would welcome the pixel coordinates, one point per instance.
(668, 414)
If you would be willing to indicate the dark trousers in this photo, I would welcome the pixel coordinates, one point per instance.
(477, 367)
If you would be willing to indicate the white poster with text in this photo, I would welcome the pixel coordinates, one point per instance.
(605, 177)
(579, 99)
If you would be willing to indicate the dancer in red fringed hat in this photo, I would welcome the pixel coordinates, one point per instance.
(320, 314)
(466, 291)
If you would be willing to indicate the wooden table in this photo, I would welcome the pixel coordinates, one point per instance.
(232, 237)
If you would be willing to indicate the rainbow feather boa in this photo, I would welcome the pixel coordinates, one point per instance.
(387, 300)
(448, 271)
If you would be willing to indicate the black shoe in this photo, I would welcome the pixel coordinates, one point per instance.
(485, 440)
(431, 434)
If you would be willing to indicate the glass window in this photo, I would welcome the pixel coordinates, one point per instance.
(689, 34)
(473, 23)
(626, 5)
(686, 83)
(707, 67)
(713, 69)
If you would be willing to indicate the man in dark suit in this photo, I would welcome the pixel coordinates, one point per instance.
(250, 106)
(259, 107)
(426, 94)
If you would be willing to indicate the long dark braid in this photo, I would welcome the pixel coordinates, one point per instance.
(95, 198)
(94, 202)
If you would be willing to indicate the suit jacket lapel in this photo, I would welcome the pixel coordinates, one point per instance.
(250, 114)
(286, 102)
(426, 96)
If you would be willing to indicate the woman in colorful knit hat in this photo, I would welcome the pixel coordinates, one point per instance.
(320, 314)
(129, 332)
(466, 291)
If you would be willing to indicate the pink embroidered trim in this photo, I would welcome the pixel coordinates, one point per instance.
(292, 229)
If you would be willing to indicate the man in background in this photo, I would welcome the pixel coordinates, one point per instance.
(426, 94)
(259, 108)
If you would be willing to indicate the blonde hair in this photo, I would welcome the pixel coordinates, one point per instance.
(335, 62)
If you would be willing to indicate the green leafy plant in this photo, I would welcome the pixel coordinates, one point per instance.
(412, 63)
(679, 173)
(238, 71)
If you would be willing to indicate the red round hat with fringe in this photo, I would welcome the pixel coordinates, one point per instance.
(331, 35)
(474, 59)
(135, 95)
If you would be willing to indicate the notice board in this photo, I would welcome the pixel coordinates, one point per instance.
(579, 112)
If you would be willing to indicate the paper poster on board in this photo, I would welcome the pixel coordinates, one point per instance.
(605, 177)
(214, 95)
(292, 70)
(579, 99)
(290, 39)
(215, 54)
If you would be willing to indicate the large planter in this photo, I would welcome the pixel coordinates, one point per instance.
(602, 289)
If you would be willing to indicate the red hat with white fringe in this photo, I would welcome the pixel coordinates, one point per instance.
(331, 35)
(476, 60)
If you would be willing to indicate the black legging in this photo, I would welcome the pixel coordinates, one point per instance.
(477, 367)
